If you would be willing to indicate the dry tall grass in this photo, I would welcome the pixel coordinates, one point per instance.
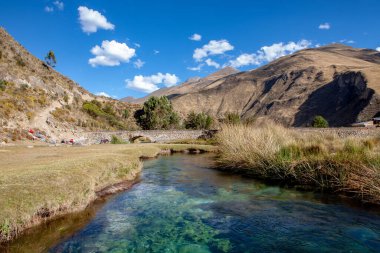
(324, 161)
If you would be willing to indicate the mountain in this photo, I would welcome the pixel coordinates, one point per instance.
(35, 96)
(191, 85)
(339, 82)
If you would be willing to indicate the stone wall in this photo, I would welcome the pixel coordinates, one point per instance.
(153, 135)
(345, 131)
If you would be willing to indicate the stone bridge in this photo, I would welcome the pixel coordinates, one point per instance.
(153, 135)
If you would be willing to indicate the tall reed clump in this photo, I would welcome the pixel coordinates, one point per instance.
(311, 159)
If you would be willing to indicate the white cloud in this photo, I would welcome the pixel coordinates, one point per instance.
(195, 37)
(269, 53)
(60, 5)
(324, 26)
(244, 60)
(102, 93)
(212, 63)
(49, 9)
(149, 84)
(92, 20)
(197, 68)
(214, 47)
(138, 64)
(378, 49)
(137, 45)
(347, 41)
(111, 53)
(156, 51)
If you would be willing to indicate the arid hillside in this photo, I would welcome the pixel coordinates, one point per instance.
(35, 96)
(340, 83)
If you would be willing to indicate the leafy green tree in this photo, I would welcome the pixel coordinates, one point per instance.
(50, 59)
(198, 121)
(232, 118)
(157, 113)
(320, 122)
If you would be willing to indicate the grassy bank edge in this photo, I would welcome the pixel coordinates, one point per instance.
(348, 166)
(123, 172)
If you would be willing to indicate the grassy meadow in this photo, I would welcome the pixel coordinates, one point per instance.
(311, 160)
(40, 183)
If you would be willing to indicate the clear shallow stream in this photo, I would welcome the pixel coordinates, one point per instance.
(181, 205)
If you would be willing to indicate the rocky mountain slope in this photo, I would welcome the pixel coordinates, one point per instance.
(35, 96)
(339, 82)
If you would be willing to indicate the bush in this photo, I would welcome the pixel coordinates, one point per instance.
(66, 98)
(126, 114)
(320, 122)
(3, 85)
(117, 140)
(157, 113)
(92, 109)
(198, 121)
(232, 118)
(20, 62)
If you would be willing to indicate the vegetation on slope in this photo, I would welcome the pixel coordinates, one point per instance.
(320, 161)
(198, 121)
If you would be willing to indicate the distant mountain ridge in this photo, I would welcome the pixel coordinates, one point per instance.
(191, 85)
(339, 82)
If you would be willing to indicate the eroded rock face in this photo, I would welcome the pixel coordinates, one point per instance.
(341, 101)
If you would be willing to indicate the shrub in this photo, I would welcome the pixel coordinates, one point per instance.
(24, 87)
(198, 121)
(3, 85)
(30, 115)
(320, 122)
(20, 62)
(65, 97)
(117, 140)
(157, 113)
(126, 114)
(108, 109)
(232, 118)
(92, 109)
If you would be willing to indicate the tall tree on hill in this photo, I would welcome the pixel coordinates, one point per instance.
(50, 59)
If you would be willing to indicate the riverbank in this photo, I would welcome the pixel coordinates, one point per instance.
(41, 183)
(310, 160)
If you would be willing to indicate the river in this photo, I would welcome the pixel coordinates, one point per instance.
(183, 205)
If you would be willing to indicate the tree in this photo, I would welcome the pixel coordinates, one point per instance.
(50, 59)
(198, 121)
(157, 113)
(320, 122)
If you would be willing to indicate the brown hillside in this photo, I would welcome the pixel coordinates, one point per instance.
(34, 95)
(191, 85)
(338, 82)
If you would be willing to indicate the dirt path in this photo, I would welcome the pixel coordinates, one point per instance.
(43, 117)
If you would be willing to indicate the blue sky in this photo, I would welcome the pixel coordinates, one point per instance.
(101, 44)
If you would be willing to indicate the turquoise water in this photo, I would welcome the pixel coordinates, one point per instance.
(181, 205)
